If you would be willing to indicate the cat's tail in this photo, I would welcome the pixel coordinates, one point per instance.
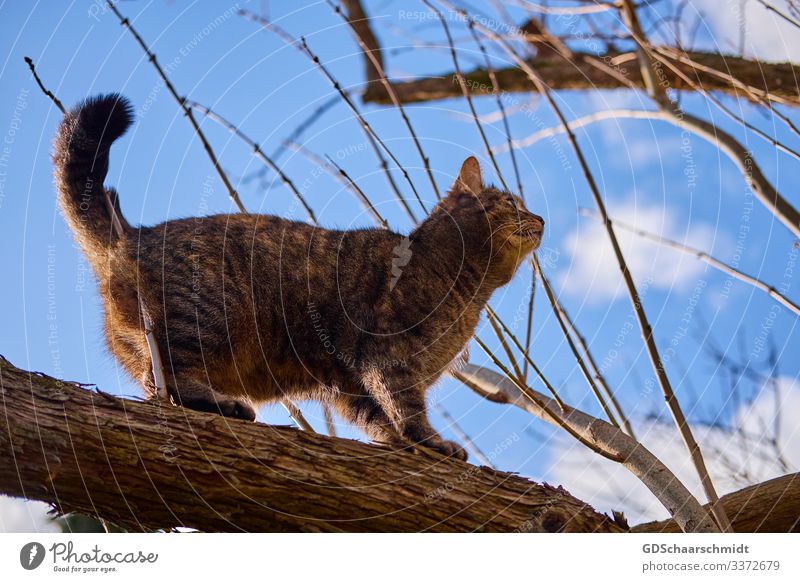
(80, 157)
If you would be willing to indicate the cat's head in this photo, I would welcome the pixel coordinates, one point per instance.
(498, 218)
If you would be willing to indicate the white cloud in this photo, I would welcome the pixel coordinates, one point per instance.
(594, 273)
(733, 465)
(21, 516)
(766, 35)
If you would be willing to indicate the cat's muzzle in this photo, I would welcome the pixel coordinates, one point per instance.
(532, 228)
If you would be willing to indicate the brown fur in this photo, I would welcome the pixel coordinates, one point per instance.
(250, 308)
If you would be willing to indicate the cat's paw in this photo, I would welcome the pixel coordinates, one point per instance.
(456, 451)
(232, 408)
(447, 448)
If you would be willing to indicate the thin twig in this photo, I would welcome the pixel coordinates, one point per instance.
(52, 97)
(257, 151)
(783, 15)
(463, 436)
(343, 94)
(587, 375)
(525, 355)
(363, 197)
(296, 416)
(504, 344)
(774, 142)
(295, 135)
(341, 176)
(529, 325)
(464, 90)
(535, 398)
(330, 426)
(598, 375)
(501, 108)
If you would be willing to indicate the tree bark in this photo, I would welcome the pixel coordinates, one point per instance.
(146, 466)
(771, 506)
(777, 79)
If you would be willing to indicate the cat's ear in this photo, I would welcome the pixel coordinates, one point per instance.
(469, 177)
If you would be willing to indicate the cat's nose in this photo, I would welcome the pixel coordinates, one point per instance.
(537, 217)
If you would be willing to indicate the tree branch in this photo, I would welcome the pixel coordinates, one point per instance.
(144, 465)
(775, 79)
(771, 506)
(656, 476)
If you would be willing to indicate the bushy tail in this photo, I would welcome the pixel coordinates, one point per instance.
(80, 156)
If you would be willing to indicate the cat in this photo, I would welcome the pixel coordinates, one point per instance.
(252, 308)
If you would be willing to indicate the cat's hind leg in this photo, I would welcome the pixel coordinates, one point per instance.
(190, 391)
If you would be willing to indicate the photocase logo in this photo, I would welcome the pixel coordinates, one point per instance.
(31, 555)
(402, 255)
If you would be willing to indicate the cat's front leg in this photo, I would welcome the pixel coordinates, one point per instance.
(402, 399)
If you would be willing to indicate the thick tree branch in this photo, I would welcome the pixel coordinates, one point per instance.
(144, 465)
(373, 63)
(775, 79)
(772, 506)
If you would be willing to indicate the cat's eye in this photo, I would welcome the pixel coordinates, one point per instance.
(512, 202)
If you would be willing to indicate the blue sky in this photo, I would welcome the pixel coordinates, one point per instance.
(648, 172)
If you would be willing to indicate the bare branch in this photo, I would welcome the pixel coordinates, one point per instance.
(776, 81)
(680, 503)
(772, 506)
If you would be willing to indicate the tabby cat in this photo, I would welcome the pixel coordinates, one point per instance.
(252, 308)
